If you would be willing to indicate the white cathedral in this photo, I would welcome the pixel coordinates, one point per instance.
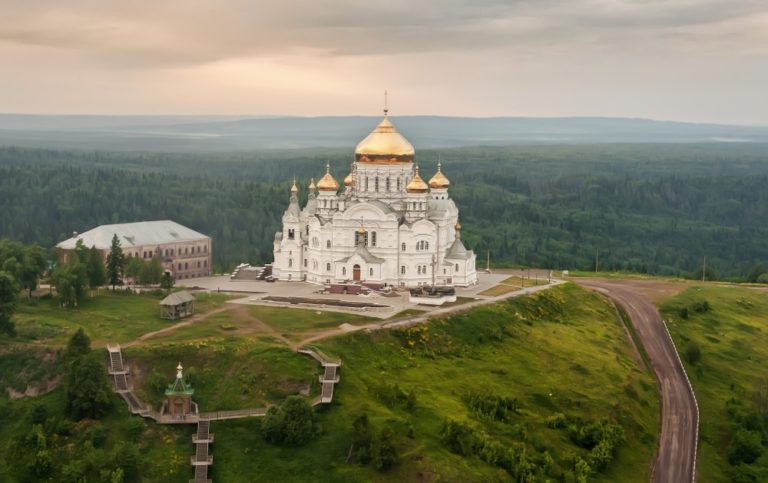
(387, 226)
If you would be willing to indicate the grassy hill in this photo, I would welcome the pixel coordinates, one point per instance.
(528, 383)
(722, 334)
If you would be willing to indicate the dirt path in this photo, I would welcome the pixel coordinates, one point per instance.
(176, 326)
(676, 458)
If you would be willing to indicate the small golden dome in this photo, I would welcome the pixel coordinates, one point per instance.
(361, 229)
(312, 184)
(439, 180)
(457, 226)
(416, 185)
(384, 143)
(294, 188)
(328, 182)
(348, 180)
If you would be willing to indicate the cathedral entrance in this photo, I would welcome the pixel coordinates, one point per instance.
(356, 273)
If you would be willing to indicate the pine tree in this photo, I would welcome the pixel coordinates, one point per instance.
(97, 274)
(8, 295)
(115, 263)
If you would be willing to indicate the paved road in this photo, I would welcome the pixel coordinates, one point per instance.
(676, 458)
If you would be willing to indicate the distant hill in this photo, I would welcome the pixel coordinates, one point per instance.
(222, 133)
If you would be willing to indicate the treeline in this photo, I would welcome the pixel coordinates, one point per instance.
(644, 208)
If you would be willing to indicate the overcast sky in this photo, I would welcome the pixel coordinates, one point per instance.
(689, 60)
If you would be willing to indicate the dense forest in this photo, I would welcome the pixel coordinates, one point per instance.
(657, 208)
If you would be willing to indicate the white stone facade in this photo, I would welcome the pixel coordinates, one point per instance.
(385, 225)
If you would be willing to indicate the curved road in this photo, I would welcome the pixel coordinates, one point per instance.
(676, 458)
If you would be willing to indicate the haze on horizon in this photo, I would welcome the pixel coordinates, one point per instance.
(687, 60)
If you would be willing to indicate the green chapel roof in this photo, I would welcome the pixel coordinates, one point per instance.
(179, 387)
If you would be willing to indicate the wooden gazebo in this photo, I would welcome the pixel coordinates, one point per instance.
(177, 305)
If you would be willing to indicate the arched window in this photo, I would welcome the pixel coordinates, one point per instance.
(366, 183)
(328, 267)
(402, 270)
(387, 184)
(343, 270)
(328, 244)
(418, 269)
(315, 241)
(370, 271)
(457, 267)
(290, 262)
(373, 238)
(398, 184)
(402, 246)
(426, 245)
(376, 184)
(290, 233)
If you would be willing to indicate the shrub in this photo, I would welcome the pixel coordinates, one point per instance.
(701, 306)
(292, 424)
(491, 406)
(684, 312)
(384, 451)
(362, 439)
(746, 446)
(692, 353)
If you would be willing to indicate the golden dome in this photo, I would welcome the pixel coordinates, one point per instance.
(385, 144)
(457, 226)
(327, 182)
(439, 180)
(361, 229)
(311, 184)
(294, 188)
(416, 185)
(348, 180)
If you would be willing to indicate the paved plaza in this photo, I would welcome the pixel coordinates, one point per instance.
(254, 292)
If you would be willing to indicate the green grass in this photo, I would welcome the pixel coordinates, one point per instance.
(560, 351)
(286, 319)
(109, 317)
(733, 340)
(228, 373)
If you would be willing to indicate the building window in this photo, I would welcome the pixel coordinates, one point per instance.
(327, 267)
(402, 270)
(457, 267)
(366, 183)
(186, 250)
(370, 271)
(315, 242)
(328, 244)
(388, 183)
(307, 230)
(186, 266)
(343, 270)
(402, 246)
(179, 266)
(290, 234)
(361, 238)
(426, 245)
(418, 269)
(205, 263)
(305, 263)
(290, 262)
(373, 238)
(198, 264)
(376, 184)
(205, 249)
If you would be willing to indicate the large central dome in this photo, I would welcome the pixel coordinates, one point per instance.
(385, 144)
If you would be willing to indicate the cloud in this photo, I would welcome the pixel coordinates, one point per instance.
(678, 59)
(183, 32)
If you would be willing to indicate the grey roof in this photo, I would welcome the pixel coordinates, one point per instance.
(364, 254)
(457, 251)
(177, 298)
(134, 234)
